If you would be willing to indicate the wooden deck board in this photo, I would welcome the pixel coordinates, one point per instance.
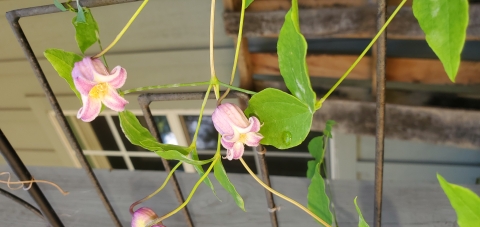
(418, 205)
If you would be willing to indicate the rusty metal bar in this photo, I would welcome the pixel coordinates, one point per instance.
(380, 113)
(260, 150)
(13, 18)
(22, 202)
(14, 161)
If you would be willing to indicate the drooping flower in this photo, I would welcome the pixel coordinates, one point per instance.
(96, 86)
(144, 216)
(236, 129)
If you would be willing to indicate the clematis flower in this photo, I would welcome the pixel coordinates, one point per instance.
(144, 216)
(236, 129)
(96, 86)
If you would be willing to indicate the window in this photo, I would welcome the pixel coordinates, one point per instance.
(106, 146)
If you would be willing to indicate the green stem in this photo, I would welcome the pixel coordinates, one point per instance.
(166, 86)
(282, 195)
(237, 50)
(156, 191)
(217, 157)
(194, 140)
(123, 30)
(320, 102)
(238, 89)
(101, 49)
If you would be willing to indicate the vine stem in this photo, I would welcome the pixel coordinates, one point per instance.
(166, 86)
(205, 99)
(217, 157)
(156, 191)
(283, 196)
(237, 51)
(213, 75)
(235, 88)
(320, 102)
(123, 30)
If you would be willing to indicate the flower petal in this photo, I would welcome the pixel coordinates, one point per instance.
(222, 123)
(82, 84)
(227, 144)
(114, 101)
(253, 139)
(90, 110)
(84, 68)
(254, 124)
(237, 150)
(116, 78)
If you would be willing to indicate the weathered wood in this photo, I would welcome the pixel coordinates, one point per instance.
(270, 5)
(350, 22)
(411, 70)
(434, 125)
(403, 202)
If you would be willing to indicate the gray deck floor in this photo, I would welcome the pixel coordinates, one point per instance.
(415, 205)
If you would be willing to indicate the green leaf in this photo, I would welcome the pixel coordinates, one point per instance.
(292, 51)
(140, 136)
(465, 203)
(201, 172)
(445, 25)
(328, 128)
(63, 62)
(361, 220)
(222, 178)
(59, 5)
(286, 121)
(317, 150)
(247, 3)
(86, 34)
(318, 201)
(80, 13)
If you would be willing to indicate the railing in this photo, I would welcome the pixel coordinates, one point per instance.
(47, 212)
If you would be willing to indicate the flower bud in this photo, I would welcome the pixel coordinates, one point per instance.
(143, 216)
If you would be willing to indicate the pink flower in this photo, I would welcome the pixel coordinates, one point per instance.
(236, 129)
(96, 86)
(143, 216)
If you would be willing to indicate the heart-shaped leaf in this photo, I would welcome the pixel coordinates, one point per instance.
(86, 34)
(285, 120)
(445, 25)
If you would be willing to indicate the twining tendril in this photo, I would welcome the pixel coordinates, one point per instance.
(29, 182)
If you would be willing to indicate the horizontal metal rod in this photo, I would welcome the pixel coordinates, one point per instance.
(48, 9)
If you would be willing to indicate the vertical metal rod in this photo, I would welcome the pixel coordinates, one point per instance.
(147, 113)
(380, 112)
(260, 151)
(22, 173)
(62, 121)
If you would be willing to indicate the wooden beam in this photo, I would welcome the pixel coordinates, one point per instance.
(271, 5)
(433, 125)
(427, 71)
(346, 22)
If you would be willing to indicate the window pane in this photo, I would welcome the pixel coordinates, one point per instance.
(129, 146)
(151, 163)
(287, 166)
(166, 134)
(117, 162)
(207, 135)
(103, 133)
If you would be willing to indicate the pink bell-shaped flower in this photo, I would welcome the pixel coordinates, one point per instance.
(236, 129)
(96, 86)
(143, 216)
